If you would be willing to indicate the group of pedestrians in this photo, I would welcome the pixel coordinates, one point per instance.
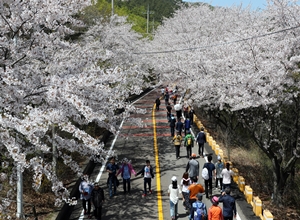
(192, 192)
(93, 194)
(189, 189)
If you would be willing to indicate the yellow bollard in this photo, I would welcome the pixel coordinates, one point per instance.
(199, 124)
(217, 149)
(235, 175)
(257, 206)
(268, 215)
(241, 183)
(196, 119)
(213, 145)
(210, 139)
(248, 194)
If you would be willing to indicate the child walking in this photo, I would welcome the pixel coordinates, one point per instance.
(147, 172)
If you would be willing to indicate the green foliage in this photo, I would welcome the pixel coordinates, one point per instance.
(136, 10)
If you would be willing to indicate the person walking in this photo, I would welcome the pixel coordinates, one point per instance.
(147, 173)
(169, 111)
(173, 193)
(166, 97)
(126, 171)
(179, 126)
(208, 183)
(191, 115)
(97, 199)
(175, 96)
(177, 143)
(194, 189)
(229, 207)
(219, 165)
(199, 208)
(215, 211)
(227, 173)
(172, 125)
(157, 102)
(186, 110)
(162, 92)
(189, 143)
(192, 167)
(185, 183)
(85, 189)
(178, 109)
(187, 125)
(112, 168)
(201, 140)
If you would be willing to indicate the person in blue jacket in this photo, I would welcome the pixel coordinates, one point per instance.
(229, 207)
(187, 125)
(179, 126)
(112, 169)
(201, 140)
(208, 183)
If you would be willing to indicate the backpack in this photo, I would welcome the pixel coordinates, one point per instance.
(189, 141)
(198, 213)
(205, 174)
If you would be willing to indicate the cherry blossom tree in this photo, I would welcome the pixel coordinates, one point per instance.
(240, 62)
(46, 81)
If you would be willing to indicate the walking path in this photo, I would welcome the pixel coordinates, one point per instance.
(153, 142)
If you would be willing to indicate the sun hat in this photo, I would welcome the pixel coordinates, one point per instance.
(215, 200)
(174, 178)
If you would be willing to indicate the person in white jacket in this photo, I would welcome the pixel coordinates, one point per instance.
(174, 191)
(85, 189)
(227, 173)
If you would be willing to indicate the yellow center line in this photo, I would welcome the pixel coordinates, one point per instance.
(157, 168)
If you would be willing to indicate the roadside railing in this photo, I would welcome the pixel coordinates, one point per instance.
(255, 202)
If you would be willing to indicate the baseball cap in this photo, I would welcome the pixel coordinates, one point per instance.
(194, 155)
(174, 178)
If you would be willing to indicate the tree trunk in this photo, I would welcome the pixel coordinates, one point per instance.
(280, 178)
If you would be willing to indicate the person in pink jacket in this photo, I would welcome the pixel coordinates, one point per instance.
(126, 171)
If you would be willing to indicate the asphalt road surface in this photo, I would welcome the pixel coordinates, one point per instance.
(152, 142)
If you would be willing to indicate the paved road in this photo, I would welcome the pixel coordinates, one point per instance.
(153, 143)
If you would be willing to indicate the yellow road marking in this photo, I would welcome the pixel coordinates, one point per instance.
(157, 168)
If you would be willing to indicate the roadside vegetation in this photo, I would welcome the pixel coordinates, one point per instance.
(254, 165)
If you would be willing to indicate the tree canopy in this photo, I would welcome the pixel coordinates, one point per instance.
(242, 63)
(236, 61)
